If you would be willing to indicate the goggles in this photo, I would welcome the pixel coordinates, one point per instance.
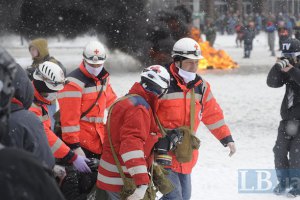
(290, 55)
(195, 53)
(94, 58)
(45, 79)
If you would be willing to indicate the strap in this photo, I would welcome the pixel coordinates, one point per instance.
(192, 115)
(161, 128)
(192, 111)
(93, 105)
(109, 135)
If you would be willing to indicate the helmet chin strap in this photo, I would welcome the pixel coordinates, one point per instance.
(180, 61)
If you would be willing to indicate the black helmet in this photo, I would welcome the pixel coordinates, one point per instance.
(291, 49)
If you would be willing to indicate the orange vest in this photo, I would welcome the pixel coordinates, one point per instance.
(174, 111)
(77, 97)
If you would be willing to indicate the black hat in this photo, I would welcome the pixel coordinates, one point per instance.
(291, 45)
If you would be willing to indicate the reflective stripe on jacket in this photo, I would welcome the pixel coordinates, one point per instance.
(174, 111)
(77, 97)
(58, 147)
(133, 133)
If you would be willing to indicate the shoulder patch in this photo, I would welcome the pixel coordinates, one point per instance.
(137, 100)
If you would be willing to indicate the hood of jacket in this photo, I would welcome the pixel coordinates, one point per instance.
(23, 88)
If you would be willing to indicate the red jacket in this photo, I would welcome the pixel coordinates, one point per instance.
(174, 111)
(77, 97)
(134, 133)
(58, 147)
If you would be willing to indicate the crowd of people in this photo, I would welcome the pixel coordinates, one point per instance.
(248, 26)
(54, 122)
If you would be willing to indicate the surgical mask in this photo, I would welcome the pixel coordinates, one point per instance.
(92, 70)
(187, 76)
(51, 96)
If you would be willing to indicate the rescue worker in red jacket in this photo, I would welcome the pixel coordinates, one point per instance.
(133, 134)
(48, 79)
(84, 134)
(82, 104)
(174, 111)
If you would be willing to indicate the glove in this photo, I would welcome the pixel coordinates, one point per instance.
(93, 164)
(282, 62)
(79, 151)
(80, 164)
(175, 137)
(232, 148)
(60, 173)
(169, 142)
(139, 193)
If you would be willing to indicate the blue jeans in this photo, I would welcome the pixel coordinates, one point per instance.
(113, 195)
(182, 184)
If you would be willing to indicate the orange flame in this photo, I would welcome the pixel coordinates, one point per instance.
(213, 58)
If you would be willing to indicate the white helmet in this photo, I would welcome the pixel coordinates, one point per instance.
(94, 53)
(188, 48)
(51, 74)
(157, 74)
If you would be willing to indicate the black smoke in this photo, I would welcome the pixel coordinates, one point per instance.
(126, 24)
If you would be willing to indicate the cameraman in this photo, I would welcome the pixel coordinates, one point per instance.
(286, 71)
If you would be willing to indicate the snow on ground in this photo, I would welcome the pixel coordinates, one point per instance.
(251, 110)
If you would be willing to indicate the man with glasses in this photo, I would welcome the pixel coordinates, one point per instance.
(189, 97)
(286, 72)
(83, 102)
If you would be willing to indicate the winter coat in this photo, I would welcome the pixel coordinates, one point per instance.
(76, 98)
(42, 47)
(271, 28)
(58, 147)
(174, 112)
(24, 177)
(249, 35)
(276, 78)
(133, 132)
(25, 129)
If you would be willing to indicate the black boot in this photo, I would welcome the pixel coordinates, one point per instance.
(294, 192)
(280, 189)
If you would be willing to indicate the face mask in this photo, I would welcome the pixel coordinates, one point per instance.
(92, 70)
(187, 76)
(51, 96)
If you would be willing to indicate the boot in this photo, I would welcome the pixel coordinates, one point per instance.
(279, 189)
(294, 192)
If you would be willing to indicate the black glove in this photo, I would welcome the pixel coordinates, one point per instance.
(93, 164)
(169, 142)
(175, 137)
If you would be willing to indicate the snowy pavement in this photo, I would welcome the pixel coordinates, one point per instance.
(251, 110)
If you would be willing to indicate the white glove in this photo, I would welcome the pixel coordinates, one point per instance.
(79, 151)
(232, 148)
(60, 172)
(139, 193)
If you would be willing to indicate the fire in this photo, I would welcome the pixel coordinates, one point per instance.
(213, 58)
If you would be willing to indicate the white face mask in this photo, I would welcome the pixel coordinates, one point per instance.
(92, 70)
(187, 76)
(51, 96)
